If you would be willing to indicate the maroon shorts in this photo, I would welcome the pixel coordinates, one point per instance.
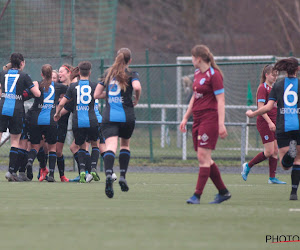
(206, 130)
(265, 133)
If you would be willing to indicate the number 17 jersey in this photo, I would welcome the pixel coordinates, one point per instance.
(286, 92)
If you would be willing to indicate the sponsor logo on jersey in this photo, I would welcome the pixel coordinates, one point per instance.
(12, 96)
(202, 81)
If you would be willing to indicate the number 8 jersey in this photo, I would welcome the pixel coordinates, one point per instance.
(286, 93)
(82, 94)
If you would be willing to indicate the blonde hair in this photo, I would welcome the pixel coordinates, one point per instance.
(204, 52)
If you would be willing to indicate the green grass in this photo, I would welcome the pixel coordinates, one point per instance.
(152, 215)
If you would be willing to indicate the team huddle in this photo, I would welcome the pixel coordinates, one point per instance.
(70, 91)
(41, 131)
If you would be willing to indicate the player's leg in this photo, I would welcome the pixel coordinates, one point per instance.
(273, 159)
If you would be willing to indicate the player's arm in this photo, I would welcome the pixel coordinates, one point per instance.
(99, 92)
(221, 114)
(187, 115)
(136, 85)
(264, 109)
(59, 107)
(35, 89)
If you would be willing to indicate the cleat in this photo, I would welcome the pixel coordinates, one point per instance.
(109, 191)
(23, 177)
(88, 178)
(220, 198)
(76, 179)
(95, 175)
(82, 177)
(273, 180)
(193, 200)
(123, 184)
(64, 179)
(51, 179)
(44, 172)
(245, 171)
(11, 176)
(293, 197)
(114, 177)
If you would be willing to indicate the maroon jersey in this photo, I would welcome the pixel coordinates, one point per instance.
(206, 86)
(262, 95)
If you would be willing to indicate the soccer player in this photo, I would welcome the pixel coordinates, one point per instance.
(13, 83)
(286, 93)
(41, 121)
(208, 108)
(266, 125)
(84, 123)
(118, 118)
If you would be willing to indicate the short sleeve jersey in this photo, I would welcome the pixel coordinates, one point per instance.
(262, 96)
(206, 86)
(286, 93)
(13, 83)
(82, 94)
(44, 107)
(119, 106)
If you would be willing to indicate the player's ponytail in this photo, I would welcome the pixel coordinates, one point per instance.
(117, 70)
(47, 77)
(204, 52)
(290, 65)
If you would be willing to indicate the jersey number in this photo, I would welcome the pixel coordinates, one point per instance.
(84, 94)
(288, 92)
(47, 99)
(16, 77)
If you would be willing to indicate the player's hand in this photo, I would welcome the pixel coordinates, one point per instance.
(56, 117)
(135, 101)
(272, 126)
(222, 131)
(182, 125)
(250, 113)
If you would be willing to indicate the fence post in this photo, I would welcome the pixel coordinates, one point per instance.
(101, 108)
(149, 106)
(184, 138)
(163, 128)
(13, 38)
(179, 101)
(243, 143)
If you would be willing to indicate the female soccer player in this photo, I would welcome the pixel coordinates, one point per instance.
(41, 121)
(266, 125)
(208, 108)
(286, 93)
(13, 83)
(118, 119)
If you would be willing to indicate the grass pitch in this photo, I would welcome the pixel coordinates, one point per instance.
(152, 215)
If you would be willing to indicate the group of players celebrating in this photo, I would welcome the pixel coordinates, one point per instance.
(45, 124)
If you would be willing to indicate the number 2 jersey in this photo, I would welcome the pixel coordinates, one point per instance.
(286, 92)
(44, 107)
(82, 94)
(13, 83)
(119, 106)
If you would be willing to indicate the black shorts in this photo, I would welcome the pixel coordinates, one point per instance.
(13, 123)
(120, 129)
(85, 134)
(62, 130)
(100, 135)
(283, 139)
(36, 133)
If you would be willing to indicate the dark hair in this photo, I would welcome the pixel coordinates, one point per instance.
(85, 68)
(74, 73)
(47, 73)
(68, 67)
(290, 65)
(117, 70)
(204, 52)
(269, 68)
(16, 59)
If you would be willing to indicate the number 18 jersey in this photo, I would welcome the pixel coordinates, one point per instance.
(82, 94)
(286, 92)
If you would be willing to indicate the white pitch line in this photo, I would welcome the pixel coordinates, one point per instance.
(294, 209)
